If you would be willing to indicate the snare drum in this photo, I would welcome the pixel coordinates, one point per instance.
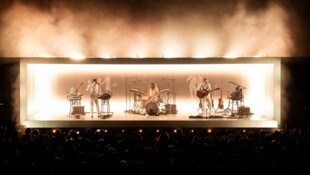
(152, 108)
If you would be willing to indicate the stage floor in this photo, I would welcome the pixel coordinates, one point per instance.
(129, 119)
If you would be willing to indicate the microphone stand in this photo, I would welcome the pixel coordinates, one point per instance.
(174, 95)
(126, 94)
(237, 85)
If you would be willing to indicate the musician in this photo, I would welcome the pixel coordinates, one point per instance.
(153, 92)
(237, 95)
(206, 100)
(107, 82)
(94, 92)
(193, 81)
(73, 93)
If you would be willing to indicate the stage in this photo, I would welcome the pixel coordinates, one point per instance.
(45, 87)
(131, 120)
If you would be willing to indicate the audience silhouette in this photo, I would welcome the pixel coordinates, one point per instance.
(154, 151)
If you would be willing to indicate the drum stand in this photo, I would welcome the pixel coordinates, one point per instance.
(105, 109)
(136, 107)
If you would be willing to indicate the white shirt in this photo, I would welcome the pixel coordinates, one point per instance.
(93, 89)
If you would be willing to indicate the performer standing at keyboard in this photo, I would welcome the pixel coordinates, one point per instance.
(93, 89)
(206, 86)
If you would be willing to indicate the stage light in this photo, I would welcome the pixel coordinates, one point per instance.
(105, 130)
(140, 130)
(209, 130)
(157, 130)
(192, 130)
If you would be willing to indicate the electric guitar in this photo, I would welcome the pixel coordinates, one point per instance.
(203, 93)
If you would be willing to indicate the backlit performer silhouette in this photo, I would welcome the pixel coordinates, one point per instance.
(193, 81)
(93, 89)
(107, 82)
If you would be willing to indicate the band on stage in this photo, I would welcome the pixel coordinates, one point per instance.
(155, 101)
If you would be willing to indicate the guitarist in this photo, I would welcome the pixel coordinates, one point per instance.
(206, 99)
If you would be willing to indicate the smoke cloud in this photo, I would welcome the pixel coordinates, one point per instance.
(144, 28)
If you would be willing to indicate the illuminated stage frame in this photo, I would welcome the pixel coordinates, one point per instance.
(260, 78)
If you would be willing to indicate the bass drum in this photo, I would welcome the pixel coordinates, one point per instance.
(152, 108)
(105, 96)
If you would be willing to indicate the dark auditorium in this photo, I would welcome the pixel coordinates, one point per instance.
(145, 87)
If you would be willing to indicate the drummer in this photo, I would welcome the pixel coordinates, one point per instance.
(153, 92)
(152, 96)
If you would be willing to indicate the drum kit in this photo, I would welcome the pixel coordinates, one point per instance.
(159, 105)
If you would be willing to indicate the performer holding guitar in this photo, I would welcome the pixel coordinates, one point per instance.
(204, 97)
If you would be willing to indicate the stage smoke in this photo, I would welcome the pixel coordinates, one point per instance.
(126, 29)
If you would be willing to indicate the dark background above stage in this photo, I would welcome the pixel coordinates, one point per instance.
(36, 28)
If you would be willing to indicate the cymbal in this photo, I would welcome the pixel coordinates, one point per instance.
(133, 90)
(164, 90)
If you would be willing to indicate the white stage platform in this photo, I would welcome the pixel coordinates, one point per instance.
(130, 120)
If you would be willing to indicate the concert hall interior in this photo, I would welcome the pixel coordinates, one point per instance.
(251, 47)
(155, 66)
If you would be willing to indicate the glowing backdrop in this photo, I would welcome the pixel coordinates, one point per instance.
(48, 85)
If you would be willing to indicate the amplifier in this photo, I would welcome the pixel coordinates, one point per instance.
(243, 110)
